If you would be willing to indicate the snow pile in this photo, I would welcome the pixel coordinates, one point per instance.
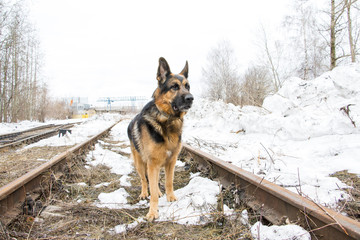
(195, 201)
(296, 140)
(315, 105)
(286, 232)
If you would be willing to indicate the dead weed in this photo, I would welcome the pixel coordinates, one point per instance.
(352, 206)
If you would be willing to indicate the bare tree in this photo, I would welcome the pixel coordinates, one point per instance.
(336, 28)
(272, 58)
(339, 23)
(221, 74)
(256, 85)
(306, 45)
(19, 65)
(56, 109)
(348, 5)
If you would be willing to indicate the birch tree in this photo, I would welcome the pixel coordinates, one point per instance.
(305, 43)
(350, 5)
(341, 19)
(19, 65)
(256, 85)
(221, 75)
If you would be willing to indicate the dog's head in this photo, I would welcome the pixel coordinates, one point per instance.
(173, 95)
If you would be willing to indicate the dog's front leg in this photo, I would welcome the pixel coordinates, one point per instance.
(169, 178)
(153, 175)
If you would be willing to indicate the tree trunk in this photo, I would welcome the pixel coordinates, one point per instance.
(332, 36)
(306, 57)
(277, 83)
(348, 4)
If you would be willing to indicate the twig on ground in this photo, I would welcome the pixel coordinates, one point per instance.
(272, 160)
(258, 185)
(346, 110)
(308, 224)
(332, 217)
(300, 193)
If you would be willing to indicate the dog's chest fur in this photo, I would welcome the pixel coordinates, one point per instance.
(167, 130)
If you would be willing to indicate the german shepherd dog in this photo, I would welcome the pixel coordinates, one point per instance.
(155, 133)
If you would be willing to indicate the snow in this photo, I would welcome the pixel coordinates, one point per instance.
(122, 228)
(114, 199)
(24, 125)
(287, 232)
(117, 163)
(296, 140)
(15, 127)
(195, 200)
(80, 132)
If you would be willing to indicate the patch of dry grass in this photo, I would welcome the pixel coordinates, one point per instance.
(227, 228)
(14, 164)
(352, 206)
(81, 221)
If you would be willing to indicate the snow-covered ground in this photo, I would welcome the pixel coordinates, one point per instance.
(195, 201)
(15, 127)
(300, 133)
(24, 125)
(87, 128)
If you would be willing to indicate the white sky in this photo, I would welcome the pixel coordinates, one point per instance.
(111, 48)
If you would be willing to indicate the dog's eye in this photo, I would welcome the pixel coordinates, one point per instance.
(187, 86)
(175, 87)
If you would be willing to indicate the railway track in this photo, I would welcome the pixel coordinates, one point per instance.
(278, 204)
(14, 139)
(275, 203)
(13, 194)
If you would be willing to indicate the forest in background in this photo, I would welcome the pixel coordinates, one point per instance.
(311, 41)
(23, 91)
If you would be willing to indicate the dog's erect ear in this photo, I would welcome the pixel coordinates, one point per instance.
(163, 70)
(185, 71)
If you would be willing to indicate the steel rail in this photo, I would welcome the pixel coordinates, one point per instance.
(276, 203)
(13, 134)
(14, 193)
(35, 137)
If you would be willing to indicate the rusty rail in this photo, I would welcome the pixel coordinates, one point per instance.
(35, 137)
(14, 134)
(276, 203)
(14, 193)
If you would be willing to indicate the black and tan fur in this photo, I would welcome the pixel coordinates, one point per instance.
(155, 133)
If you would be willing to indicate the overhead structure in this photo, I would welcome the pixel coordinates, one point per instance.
(131, 99)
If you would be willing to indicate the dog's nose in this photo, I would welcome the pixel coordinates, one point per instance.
(189, 98)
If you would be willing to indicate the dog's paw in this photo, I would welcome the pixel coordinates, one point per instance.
(171, 197)
(144, 195)
(152, 215)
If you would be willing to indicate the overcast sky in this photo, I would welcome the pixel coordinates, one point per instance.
(110, 48)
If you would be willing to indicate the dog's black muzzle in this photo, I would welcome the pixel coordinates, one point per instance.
(183, 102)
